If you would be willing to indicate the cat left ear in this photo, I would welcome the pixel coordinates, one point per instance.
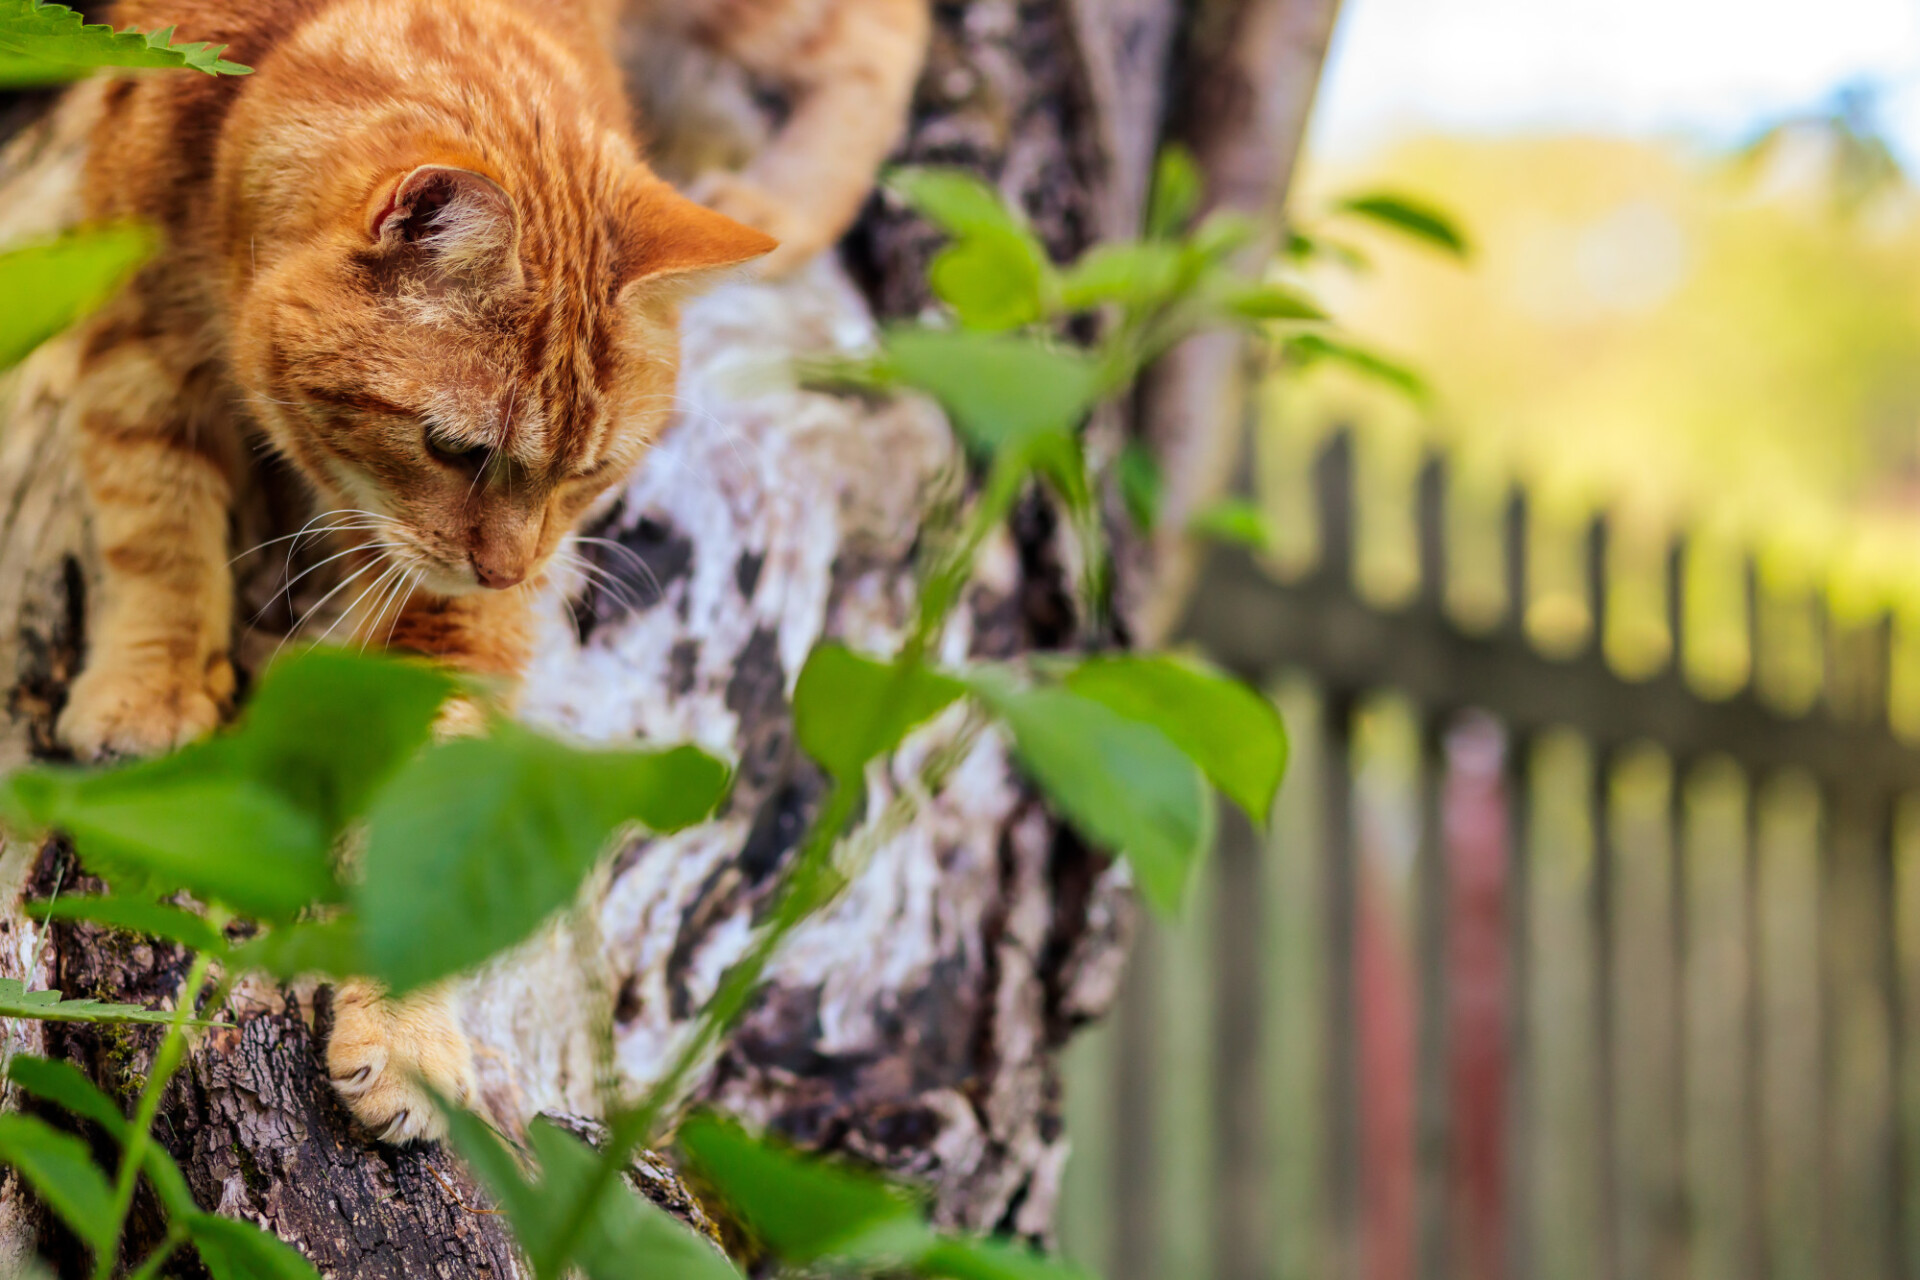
(460, 222)
(668, 238)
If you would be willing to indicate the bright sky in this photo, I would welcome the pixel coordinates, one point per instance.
(1714, 69)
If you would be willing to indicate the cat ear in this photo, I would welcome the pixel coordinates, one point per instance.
(460, 223)
(665, 237)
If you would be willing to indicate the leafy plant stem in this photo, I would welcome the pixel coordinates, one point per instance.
(801, 894)
(949, 575)
(165, 1062)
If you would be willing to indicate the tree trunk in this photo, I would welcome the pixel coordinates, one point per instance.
(917, 1023)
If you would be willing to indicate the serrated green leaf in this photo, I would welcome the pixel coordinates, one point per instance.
(63, 1084)
(1122, 783)
(137, 915)
(1231, 732)
(1176, 192)
(47, 1006)
(51, 284)
(1000, 391)
(849, 709)
(801, 1209)
(1410, 217)
(241, 1251)
(62, 1171)
(1233, 520)
(35, 33)
(479, 840)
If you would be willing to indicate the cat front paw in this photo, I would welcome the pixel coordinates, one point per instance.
(385, 1055)
(136, 707)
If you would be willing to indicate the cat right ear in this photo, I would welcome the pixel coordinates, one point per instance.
(665, 239)
(461, 224)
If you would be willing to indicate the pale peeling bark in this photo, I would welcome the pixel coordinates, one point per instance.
(917, 1023)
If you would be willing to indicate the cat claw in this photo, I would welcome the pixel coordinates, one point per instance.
(387, 1059)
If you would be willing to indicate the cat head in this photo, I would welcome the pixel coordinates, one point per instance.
(469, 366)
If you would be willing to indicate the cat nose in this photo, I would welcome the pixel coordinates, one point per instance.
(496, 575)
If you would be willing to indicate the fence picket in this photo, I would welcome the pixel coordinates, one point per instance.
(1707, 969)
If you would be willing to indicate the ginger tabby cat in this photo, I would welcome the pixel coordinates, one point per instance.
(417, 259)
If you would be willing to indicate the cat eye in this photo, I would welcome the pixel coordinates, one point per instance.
(455, 452)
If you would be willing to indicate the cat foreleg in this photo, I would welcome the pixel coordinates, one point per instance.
(157, 672)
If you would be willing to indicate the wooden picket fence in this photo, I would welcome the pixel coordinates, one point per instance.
(1539, 971)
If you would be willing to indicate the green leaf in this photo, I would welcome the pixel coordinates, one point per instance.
(1000, 391)
(248, 818)
(1121, 783)
(849, 709)
(960, 203)
(963, 1259)
(801, 1209)
(1301, 247)
(328, 727)
(63, 1084)
(62, 1171)
(994, 274)
(479, 840)
(1176, 192)
(497, 1170)
(241, 1251)
(47, 1006)
(1410, 217)
(186, 821)
(622, 1226)
(1309, 349)
(137, 915)
(1141, 274)
(1141, 485)
(1270, 302)
(1233, 520)
(50, 285)
(34, 32)
(991, 280)
(1231, 732)
(1220, 235)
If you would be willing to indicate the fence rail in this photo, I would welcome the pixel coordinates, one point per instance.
(1543, 972)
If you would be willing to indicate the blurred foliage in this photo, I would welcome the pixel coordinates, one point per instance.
(1732, 349)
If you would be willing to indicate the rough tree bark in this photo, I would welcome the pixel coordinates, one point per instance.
(917, 1024)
